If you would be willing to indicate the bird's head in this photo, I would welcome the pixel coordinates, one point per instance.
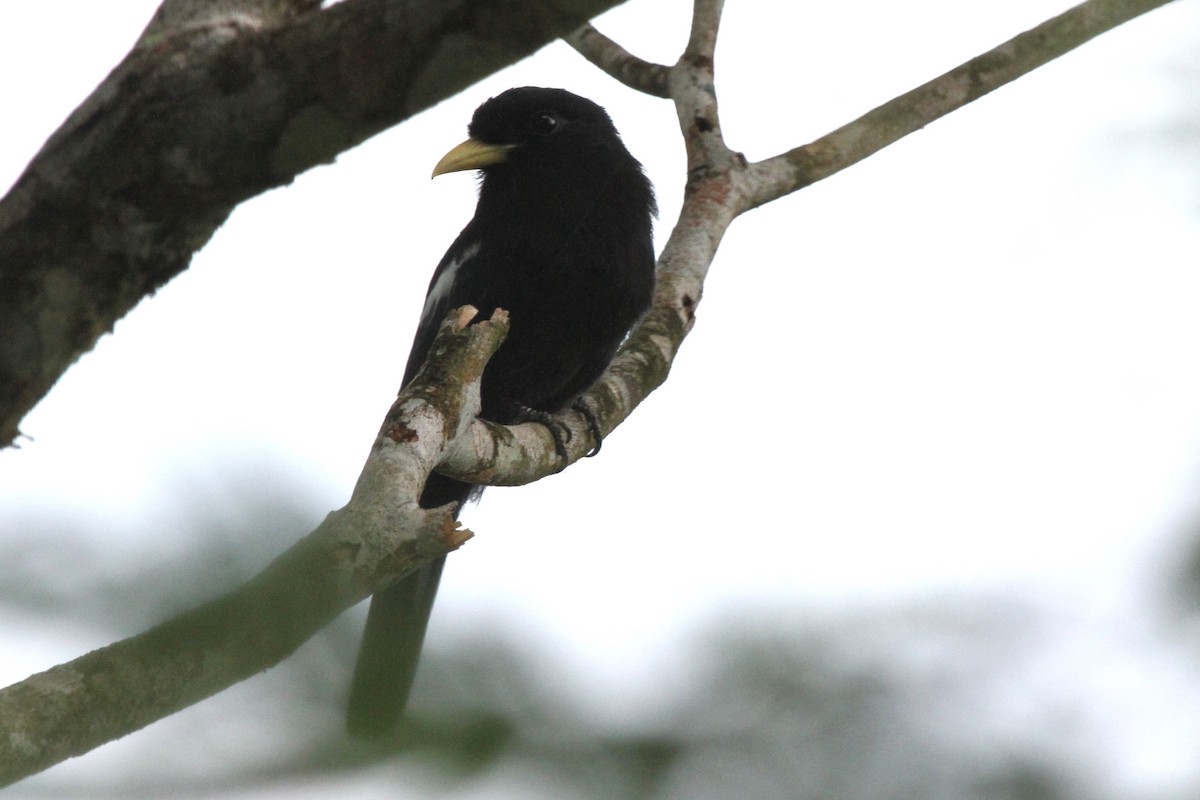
(532, 126)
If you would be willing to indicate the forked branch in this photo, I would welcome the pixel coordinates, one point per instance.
(380, 534)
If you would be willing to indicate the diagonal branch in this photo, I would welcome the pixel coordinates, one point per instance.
(380, 534)
(636, 73)
(778, 176)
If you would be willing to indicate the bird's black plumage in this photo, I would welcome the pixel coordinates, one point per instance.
(561, 239)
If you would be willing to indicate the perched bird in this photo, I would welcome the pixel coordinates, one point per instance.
(561, 239)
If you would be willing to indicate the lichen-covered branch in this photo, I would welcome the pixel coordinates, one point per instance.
(379, 535)
(702, 36)
(218, 102)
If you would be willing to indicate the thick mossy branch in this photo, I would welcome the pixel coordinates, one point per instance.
(216, 103)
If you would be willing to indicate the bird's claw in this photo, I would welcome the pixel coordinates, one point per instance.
(560, 433)
(593, 426)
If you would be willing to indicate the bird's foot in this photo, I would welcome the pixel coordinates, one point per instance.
(593, 426)
(560, 433)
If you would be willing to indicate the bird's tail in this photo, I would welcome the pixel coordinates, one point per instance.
(391, 644)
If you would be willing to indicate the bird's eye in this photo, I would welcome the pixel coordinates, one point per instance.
(544, 123)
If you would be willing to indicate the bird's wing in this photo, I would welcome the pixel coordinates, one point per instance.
(443, 295)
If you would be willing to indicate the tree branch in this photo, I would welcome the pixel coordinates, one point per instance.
(215, 104)
(783, 174)
(178, 16)
(706, 21)
(610, 57)
(380, 534)
(721, 186)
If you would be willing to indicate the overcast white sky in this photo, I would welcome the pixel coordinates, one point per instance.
(965, 366)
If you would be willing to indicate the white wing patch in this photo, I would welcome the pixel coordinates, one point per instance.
(445, 280)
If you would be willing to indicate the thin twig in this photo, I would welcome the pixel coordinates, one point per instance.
(636, 73)
(706, 20)
(775, 177)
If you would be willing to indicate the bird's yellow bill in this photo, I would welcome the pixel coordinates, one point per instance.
(471, 154)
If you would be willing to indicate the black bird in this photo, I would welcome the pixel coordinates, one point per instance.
(561, 239)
